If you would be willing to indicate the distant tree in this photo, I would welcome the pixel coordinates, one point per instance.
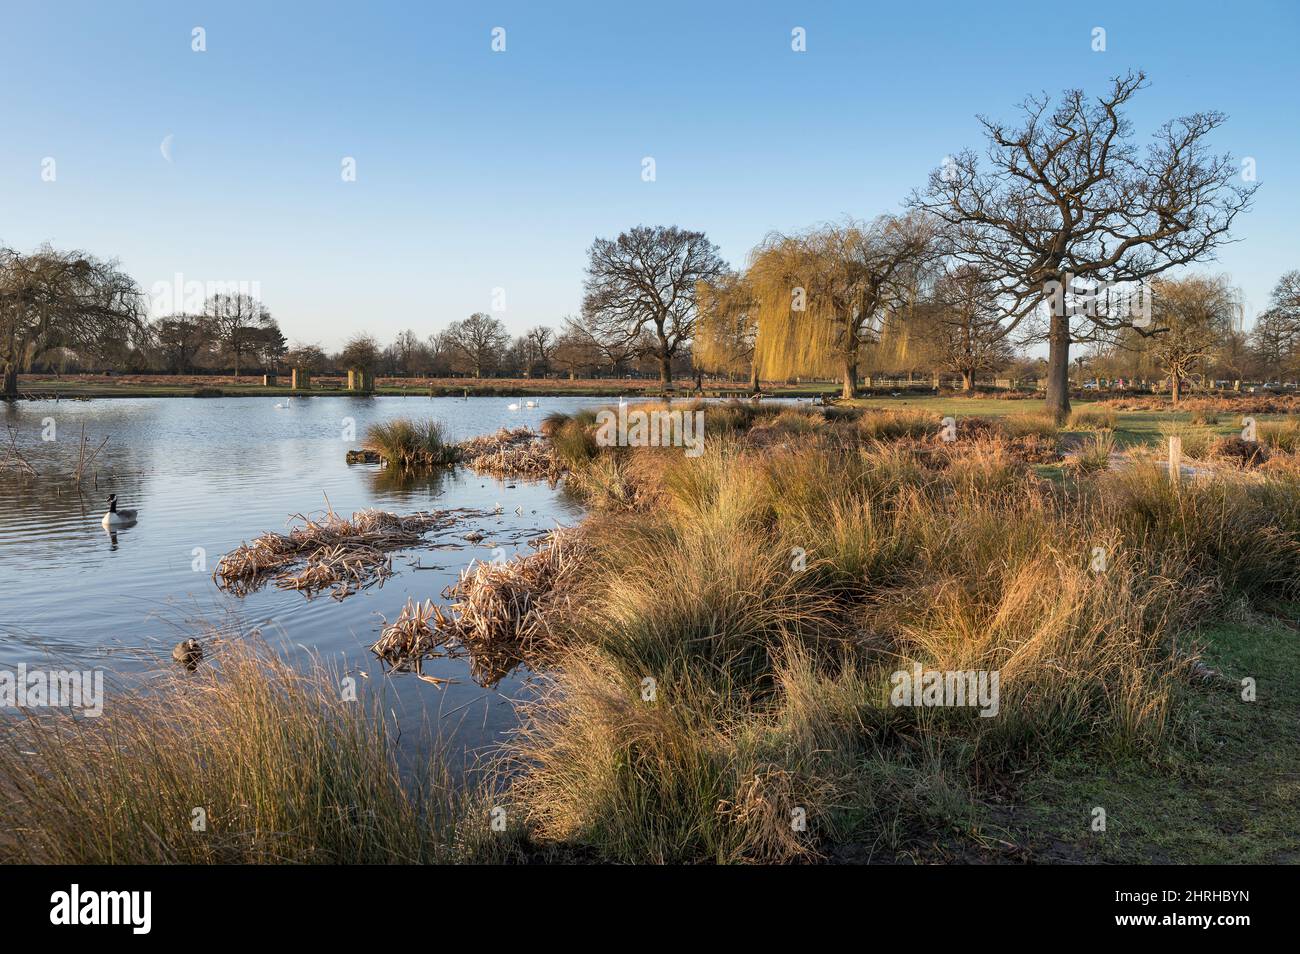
(477, 343)
(640, 290)
(1068, 205)
(575, 351)
(1194, 316)
(1275, 339)
(962, 325)
(239, 319)
(54, 299)
(539, 348)
(308, 357)
(361, 353)
(612, 352)
(181, 339)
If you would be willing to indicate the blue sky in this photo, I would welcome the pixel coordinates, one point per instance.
(479, 170)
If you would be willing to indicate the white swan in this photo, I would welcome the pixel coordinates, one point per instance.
(115, 517)
(512, 407)
(532, 404)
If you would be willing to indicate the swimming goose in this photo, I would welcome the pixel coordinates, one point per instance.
(115, 517)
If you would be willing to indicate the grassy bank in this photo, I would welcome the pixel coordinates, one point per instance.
(718, 675)
(726, 674)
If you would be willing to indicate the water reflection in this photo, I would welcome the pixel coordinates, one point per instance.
(207, 475)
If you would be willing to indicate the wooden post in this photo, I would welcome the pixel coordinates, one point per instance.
(1175, 458)
(301, 380)
(359, 380)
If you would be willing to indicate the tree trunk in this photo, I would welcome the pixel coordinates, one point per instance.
(1175, 387)
(850, 376)
(1058, 368)
(755, 385)
(665, 371)
(967, 379)
(11, 383)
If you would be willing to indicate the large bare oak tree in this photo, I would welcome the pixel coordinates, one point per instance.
(1067, 204)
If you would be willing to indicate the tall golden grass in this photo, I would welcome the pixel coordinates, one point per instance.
(247, 760)
(730, 652)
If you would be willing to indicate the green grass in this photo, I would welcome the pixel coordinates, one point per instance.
(1226, 792)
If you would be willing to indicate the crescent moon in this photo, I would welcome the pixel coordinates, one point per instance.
(166, 147)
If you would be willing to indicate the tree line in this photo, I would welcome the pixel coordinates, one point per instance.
(1061, 231)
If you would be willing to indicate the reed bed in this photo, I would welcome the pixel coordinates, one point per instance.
(500, 614)
(344, 555)
(512, 453)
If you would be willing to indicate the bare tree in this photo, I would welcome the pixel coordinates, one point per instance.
(640, 289)
(238, 318)
(477, 343)
(1275, 339)
(539, 348)
(962, 326)
(51, 299)
(182, 338)
(309, 357)
(1069, 205)
(361, 353)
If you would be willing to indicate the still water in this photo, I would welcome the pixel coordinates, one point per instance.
(208, 474)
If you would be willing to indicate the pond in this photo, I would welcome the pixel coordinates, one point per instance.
(208, 474)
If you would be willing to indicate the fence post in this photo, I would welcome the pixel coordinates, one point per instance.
(1175, 458)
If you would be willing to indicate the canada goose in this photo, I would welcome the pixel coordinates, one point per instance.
(115, 517)
(188, 654)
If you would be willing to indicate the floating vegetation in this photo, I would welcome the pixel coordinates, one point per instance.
(409, 444)
(517, 452)
(331, 552)
(498, 617)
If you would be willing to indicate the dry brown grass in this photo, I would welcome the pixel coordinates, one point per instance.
(328, 552)
(512, 453)
(499, 615)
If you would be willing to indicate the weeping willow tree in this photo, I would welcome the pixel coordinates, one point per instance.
(726, 330)
(825, 294)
